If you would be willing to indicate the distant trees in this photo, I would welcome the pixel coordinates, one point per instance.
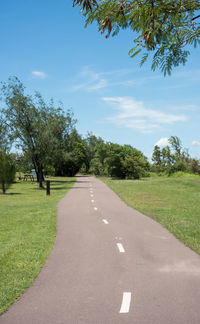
(173, 158)
(49, 143)
(90, 143)
(72, 155)
(124, 162)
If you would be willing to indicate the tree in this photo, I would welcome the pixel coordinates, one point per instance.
(37, 128)
(176, 145)
(135, 164)
(119, 161)
(90, 142)
(4, 135)
(97, 165)
(157, 158)
(163, 28)
(113, 162)
(194, 166)
(168, 160)
(73, 160)
(7, 171)
(180, 156)
(71, 156)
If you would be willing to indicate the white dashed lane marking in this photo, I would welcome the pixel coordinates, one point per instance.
(120, 247)
(126, 301)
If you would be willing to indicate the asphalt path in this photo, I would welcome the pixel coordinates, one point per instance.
(110, 264)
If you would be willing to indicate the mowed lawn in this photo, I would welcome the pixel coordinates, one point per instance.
(27, 233)
(173, 202)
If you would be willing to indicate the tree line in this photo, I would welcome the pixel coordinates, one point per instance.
(46, 140)
(173, 158)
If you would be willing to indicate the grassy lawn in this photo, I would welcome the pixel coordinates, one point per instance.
(27, 233)
(173, 202)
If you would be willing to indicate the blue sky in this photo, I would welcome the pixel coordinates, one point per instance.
(44, 43)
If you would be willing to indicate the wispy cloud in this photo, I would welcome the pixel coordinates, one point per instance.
(90, 80)
(195, 143)
(39, 74)
(134, 114)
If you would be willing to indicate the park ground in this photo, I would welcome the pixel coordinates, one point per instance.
(27, 234)
(28, 221)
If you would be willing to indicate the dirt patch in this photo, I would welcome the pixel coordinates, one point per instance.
(144, 196)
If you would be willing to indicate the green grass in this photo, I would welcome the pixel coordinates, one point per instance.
(27, 233)
(173, 202)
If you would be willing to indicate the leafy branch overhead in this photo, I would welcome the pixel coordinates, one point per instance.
(165, 28)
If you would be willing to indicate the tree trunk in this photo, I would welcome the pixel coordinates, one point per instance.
(87, 164)
(39, 173)
(40, 176)
(3, 187)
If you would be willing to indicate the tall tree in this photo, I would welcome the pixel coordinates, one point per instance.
(156, 156)
(72, 155)
(162, 27)
(37, 128)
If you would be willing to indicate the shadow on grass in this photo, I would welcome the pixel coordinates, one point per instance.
(59, 188)
(10, 193)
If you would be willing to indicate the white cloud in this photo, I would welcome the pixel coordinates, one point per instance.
(163, 141)
(133, 114)
(39, 74)
(195, 143)
(90, 81)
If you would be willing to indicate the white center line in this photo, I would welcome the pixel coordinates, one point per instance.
(120, 247)
(95, 208)
(92, 200)
(105, 221)
(126, 301)
(91, 195)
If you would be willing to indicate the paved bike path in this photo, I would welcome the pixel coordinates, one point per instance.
(110, 264)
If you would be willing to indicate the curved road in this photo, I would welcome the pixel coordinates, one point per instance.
(110, 264)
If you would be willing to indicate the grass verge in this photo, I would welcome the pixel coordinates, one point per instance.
(173, 202)
(27, 233)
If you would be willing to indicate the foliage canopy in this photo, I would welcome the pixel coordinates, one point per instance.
(162, 27)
